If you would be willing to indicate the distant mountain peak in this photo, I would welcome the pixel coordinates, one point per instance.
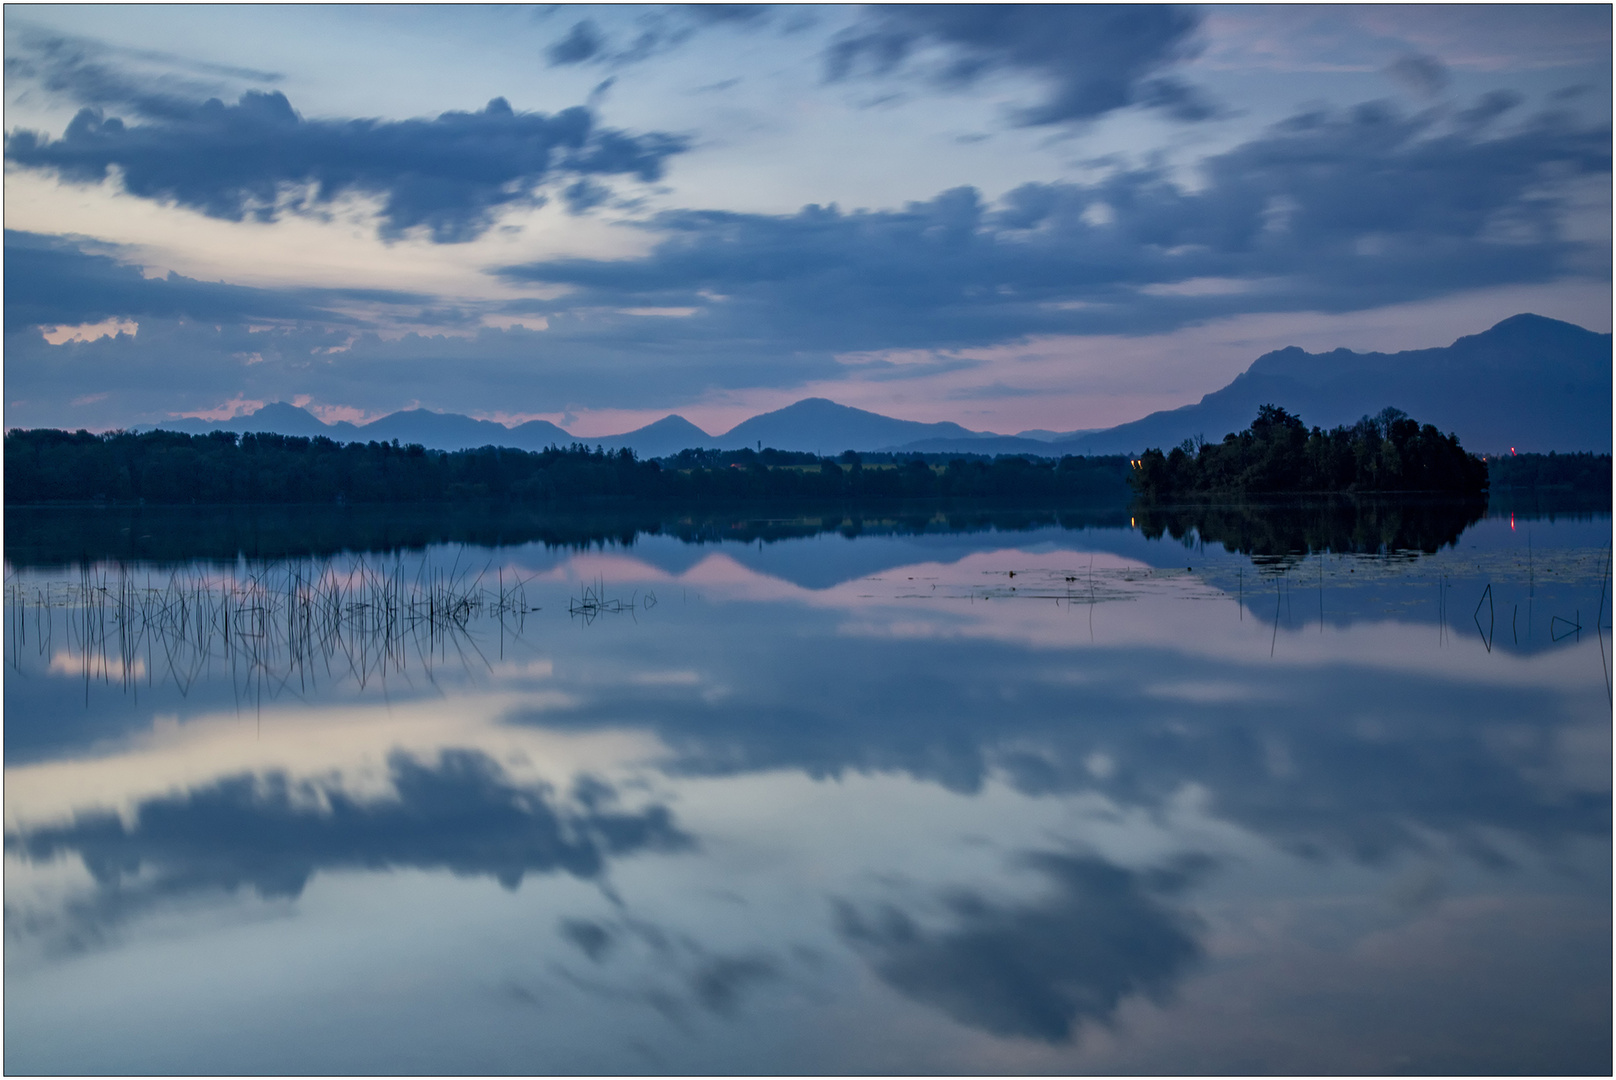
(1527, 381)
(280, 408)
(1529, 327)
(671, 424)
(812, 405)
(819, 425)
(1528, 319)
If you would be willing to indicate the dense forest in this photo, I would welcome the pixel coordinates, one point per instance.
(172, 468)
(1278, 454)
(1583, 472)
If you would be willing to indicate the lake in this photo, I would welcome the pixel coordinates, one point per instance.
(907, 792)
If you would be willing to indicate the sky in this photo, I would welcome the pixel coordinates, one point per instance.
(1013, 218)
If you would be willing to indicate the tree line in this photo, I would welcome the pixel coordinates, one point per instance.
(1279, 454)
(1577, 472)
(173, 468)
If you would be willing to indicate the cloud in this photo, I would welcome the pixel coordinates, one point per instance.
(94, 73)
(719, 982)
(1329, 211)
(583, 42)
(1332, 211)
(1041, 970)
(1424, 75)
(272, 834)
(593, 938)
(651, 33)
(1490, 106)
(258, 158)
(1094, 59)
(728, 14)
(581, 196)
(50, 281)
(174, 366)
(53, 281)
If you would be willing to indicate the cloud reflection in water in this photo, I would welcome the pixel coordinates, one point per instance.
(1038, 970)
(272, 833)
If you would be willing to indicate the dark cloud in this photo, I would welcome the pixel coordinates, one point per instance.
(583, 42)
(258, 158)
(1328, 211)
(1490, 106)
(584, 195)
(728, 14)
(602, 88)
(719, 982)
(1424, 75)
(272, 834)
(593, 938)
(1041, 970)
(96, 74)
(1094, 58)
(1177, 99)
(655, 31)
(52, 281)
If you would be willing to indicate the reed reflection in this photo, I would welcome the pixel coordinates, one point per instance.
(286, 627)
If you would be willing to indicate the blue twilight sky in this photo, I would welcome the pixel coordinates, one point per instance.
(1011, 217)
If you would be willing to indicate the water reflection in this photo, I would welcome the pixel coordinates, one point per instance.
(1139, 725)
(1314, 525)
(271, 832)
(1038, 969)
(1021, 798)
(701, 979)
(271, 629)
(176, 536)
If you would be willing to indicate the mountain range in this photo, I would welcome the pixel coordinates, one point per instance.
(1531, 383)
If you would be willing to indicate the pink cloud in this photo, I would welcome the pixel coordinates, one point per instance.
(332, 414)
(58, 335)
(236, 406)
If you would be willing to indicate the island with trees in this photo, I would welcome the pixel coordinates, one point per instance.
(1385, 454)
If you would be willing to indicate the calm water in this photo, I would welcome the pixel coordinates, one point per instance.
(1031, 795)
